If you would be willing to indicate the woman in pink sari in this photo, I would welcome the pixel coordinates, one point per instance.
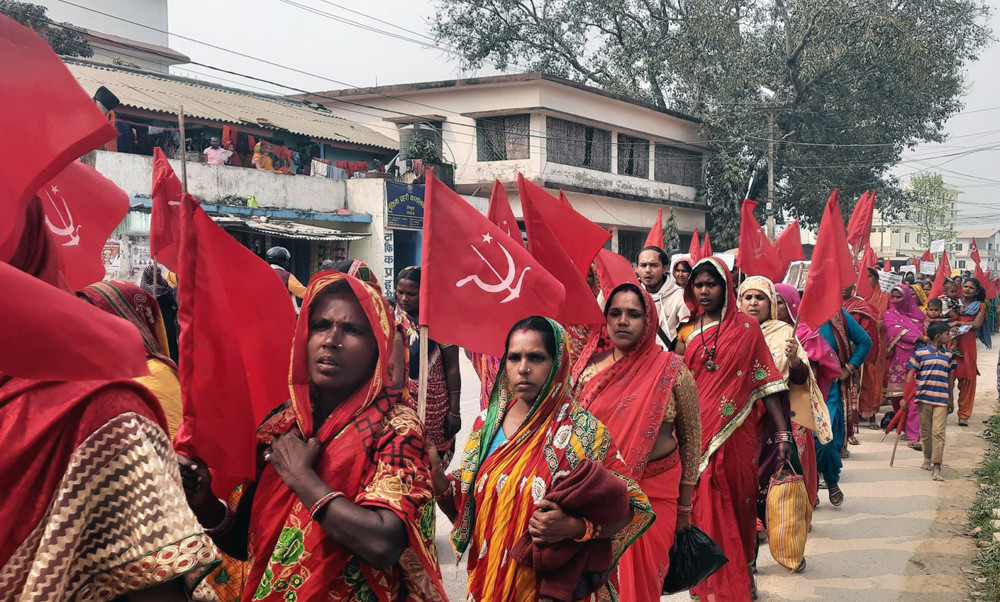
(904, 325)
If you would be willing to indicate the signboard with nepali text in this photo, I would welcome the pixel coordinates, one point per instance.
(404, 205)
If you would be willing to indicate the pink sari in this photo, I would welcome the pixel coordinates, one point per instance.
(904, 324)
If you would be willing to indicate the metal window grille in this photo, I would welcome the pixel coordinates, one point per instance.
(630, 243)
(677, 166)
(633, 156)
(503, 138)
(576, 144)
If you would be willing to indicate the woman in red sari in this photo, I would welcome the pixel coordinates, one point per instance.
(732, 365)
(973, 315)
(342, 507)
(648, 400)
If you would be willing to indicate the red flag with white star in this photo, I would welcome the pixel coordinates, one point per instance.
(475, 281)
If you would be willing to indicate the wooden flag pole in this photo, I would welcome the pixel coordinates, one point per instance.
(422, 390)
(184, 175)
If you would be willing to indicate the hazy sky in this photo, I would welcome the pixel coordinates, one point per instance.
(327, 46)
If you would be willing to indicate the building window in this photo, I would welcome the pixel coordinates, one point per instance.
(633, 156)
(895, 230)
(578, 145)
(958, 246)
(503, 138)
(961, 264)
(630, 243)
(906, 237)
(676, 166)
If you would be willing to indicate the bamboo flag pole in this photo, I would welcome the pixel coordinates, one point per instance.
(184, 173)
(422, 390)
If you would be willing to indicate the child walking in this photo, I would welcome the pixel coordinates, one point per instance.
(933, 368)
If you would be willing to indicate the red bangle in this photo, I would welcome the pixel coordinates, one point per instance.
(322, 502)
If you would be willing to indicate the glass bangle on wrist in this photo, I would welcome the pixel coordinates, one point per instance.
(783, 437)
(322, 503)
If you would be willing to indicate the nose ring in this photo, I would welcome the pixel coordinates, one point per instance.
(340, 345)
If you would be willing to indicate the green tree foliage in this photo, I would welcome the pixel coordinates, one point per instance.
(66, 39)
(671, 235)
(856, 82)
(931, 207)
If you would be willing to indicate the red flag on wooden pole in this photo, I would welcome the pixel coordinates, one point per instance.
(788, 246)
(695, 249)
(943, 273)
(470, 269)
(860, 225)
(237, 322)
(655, 236)
(757, 256)
(974, 253)
(165, 216)
(501, 214)
(831, 269)
(553, 244)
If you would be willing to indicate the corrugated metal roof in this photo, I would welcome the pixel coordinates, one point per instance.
(164, 93)
(287, 229)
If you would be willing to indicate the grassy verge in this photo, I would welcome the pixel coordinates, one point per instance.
(981, 518)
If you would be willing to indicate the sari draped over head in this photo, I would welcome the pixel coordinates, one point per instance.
(261, 160)
(824, 360)
(438, 403)
(807, 406)
(873, 376)
(634, 398)
(495, 494)
(919, 295)
(93, 506)
(373, 452)
(139, 307)
(743, 375)
(904, 325)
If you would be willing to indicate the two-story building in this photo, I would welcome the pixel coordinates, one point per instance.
(988, 243)
(617, 159)
(316, 218)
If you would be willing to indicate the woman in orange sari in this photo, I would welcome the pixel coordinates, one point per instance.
(734, 370)
(649, 401)
(341, 509)
(531, 436)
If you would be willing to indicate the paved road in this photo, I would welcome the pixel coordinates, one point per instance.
(898, 536)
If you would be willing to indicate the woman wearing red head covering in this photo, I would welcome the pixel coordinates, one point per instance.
(344, 488)
(645, 396)
(732, 365)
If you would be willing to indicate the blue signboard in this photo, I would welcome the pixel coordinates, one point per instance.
(404, 205)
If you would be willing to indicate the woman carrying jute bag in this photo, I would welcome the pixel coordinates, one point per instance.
(789, 515)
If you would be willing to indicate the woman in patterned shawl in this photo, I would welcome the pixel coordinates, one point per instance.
(734, 371)
(92, 506)
(341, 508)
(648, 399)
(530, 436)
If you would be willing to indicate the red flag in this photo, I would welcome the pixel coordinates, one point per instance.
(655, 236)
(470, 270)
(694, 250)
(868, 260)
(974, 253)
(50, 334)
(612, 270)
(82, 208)
(237, 322)
(943, 273)
(165, 216)
(47, 120)
(706, 247)
(860, 225)
(788, 246)
(888, 265)
(757, 256)
(830, 271)
(927, 256)
(555, 248)
(501, 214)
(581, 237)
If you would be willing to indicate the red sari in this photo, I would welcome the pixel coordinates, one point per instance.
(875, 364)
(373, 451)
(631, 397)
(725, 499)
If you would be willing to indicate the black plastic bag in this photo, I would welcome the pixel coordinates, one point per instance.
(693, 559)
(886, 420)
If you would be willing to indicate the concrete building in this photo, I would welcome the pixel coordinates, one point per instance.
(988, 242)
(902, 237)
(618, 160)
(316, 218)
(131, 34)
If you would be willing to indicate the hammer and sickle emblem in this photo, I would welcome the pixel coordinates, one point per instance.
(506, 283)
